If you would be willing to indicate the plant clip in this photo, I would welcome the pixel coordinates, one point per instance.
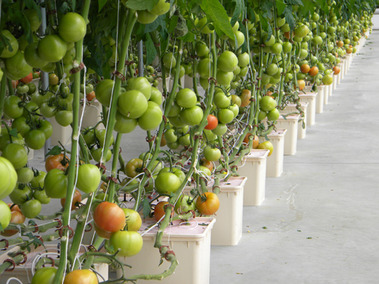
(59, 222)
(193, 213)
(101, 166)
(88, 227)
(162, 247)
(36, 228)
(245, 20)
(114, 179)
(210, 79)
(11, 261)
(52, 261)
(263, 45)
(6, 244)
(24, 255)
(147, 172)
(167, 254)
(255, 125)
(157, 44)
(127, 62)
(92, 248)
(169, 205)
(215, 187)
(119, 75)
(234, 167)
(150, 140)
(60, 231)
(164, 119)
(250, 127)
(77, 69)
(51, 12)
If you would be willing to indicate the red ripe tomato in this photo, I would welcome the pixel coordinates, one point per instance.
(81, 276)
(159, 210)
(27, 79)
(212, 122)
(90, 96)
(75, 201)
(207, 203)
(109, 217)
(59, 162)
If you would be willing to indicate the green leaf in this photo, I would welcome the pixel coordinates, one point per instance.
(159, 22)
(289, 17)
(141, 4)
(237, 11)
(294, 2)
(56, 150)
(146, 208)
(151, 51)
(280, 6)
(216, 13)
(265, 25)
(308, 7)
(101, 4)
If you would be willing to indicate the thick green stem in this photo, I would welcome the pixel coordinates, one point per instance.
(3, 88)
(66, 216)
(128, 23)
(116, 153)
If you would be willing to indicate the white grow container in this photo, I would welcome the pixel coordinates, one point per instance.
(291, 108)
(320, 99)
(275, 161)
(310, 98)
(254, 168)
(92, 113)
(228, 229)
(60, 133)
(290, 140)
(191, 243)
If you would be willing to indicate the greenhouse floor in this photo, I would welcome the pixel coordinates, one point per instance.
(319, 222)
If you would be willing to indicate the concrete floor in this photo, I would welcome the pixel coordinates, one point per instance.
(319, 222)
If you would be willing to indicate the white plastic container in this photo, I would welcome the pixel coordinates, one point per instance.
(290, 140)
(291, 108)
(228, 229)
(335, 82)
(191, 243)
(320, 99)
(310, 98)
(254, 168)
(60, 133)
(275, 161)
(339, 76)
(331, 88)
(326, 94)
(92, 113)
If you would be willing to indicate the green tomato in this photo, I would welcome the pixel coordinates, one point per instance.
(72, 27)
(132, 104)
(212, 154)
(128, 243)
(89, 178)
(16, 154)
(41, 196)
(25, 175)
(184, 204)
(35, 139)
(52, 48)
(20, 194)
(17, 67)
(44, 275)
(186, 98)
(140, 84)
(55, 183)
(8, 177)
(5, 215)
(192, 116)
(151, 118)
(31, 208)
(227, 61)
(123, 124)
(11, 49)
(267, 103)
